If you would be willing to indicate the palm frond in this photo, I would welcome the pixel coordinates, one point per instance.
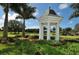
(3, 4)
(19, 17)
(75, 6)
(75, 14)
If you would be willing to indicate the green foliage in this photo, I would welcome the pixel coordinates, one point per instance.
(14, 25)
(75, 7)
(76, 27)
(24, 47)
(25, 12)
(42, 47)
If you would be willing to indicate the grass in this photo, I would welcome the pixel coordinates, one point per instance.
(3, 46)
(42, 47)
(10, 34)
(70, 37)
(34, 34)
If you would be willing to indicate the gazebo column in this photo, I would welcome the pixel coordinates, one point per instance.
(48, 31)
(57, 33)
(41, 32)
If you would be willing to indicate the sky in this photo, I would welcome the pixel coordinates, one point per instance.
(63, 10)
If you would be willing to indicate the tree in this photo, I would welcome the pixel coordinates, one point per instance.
(14, 7)
(5, 29)
(77, 27)
(26, 12)
(14, 26)
(67, 31)
(75, 7)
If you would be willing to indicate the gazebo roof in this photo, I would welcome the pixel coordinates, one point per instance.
(52, 12)
(50, 16)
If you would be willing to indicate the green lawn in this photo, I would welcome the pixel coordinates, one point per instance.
(42, 47)
(3, 46)
(10, 34)
(70, 37)
(34, 34)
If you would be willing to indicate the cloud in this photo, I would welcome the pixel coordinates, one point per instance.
(36, 13)
(63, 6)
(1, 23)
(58, 13)
(32, 27)
(71, 22)
(10, 17)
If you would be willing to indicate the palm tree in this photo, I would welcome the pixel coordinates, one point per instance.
(26, 12)
(75, 7)
(5, 29)
(14, 7)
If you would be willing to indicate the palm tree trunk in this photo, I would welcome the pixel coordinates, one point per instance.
(23, 29)
(5, 29)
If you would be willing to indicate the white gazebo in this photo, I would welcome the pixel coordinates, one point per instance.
(48, 19)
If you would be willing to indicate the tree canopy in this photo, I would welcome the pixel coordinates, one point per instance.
(75, 7)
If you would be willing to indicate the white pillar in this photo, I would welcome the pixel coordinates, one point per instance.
(48, 31)
(57, 33)
(41, 31)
